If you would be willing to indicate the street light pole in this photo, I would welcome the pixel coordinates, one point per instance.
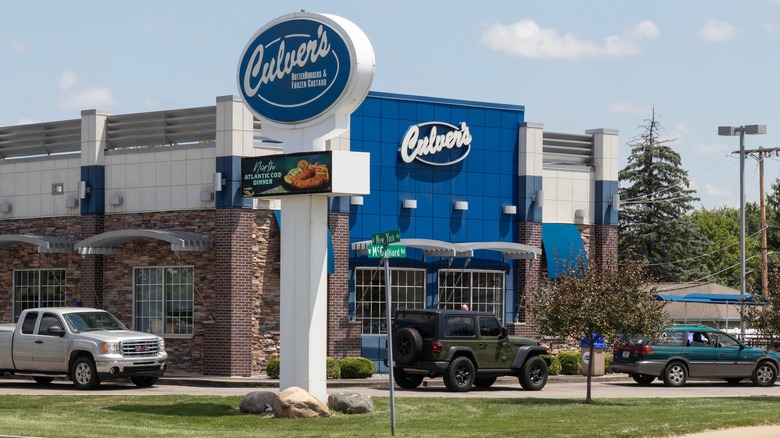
(742, 130)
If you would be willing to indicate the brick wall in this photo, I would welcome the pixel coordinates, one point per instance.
(344, 337)
(528, 274)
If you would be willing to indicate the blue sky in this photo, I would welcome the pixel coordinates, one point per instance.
(575, 65)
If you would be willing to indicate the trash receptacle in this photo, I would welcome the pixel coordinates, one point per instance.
(598, 354)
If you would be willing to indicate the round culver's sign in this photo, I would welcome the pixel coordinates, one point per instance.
(304, 66)
(436, 143)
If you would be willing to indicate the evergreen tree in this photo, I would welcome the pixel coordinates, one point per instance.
(655, 198)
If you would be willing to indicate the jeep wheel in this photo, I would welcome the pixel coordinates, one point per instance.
(643, 379)
(765, 374)
(484, 382)
(533, 374)
(459, 375)
(675, 374)
(406, 380)
(84, 374)
(407, 346)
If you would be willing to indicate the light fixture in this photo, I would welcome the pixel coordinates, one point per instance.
(356, 200)
(410, 203)
(5, 207)
(71, 203)
(461, 205)
(206, 196)
(83, 189)
(581, 213)
(115, 200)
(614, 202)
(510, 209)
(538, 198)
(218, 182)
(57, 188)
(741, 131)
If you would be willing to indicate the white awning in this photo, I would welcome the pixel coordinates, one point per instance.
(439, 248)
(106, 243)
(45, 244)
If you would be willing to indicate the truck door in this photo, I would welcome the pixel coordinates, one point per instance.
(23, 342)
(494, 351)
(50, 351)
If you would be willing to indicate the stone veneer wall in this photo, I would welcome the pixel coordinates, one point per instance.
(528, 274)
(25, 256)
(266, 285)
(344, 337)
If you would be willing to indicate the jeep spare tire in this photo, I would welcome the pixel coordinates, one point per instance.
(407, 346)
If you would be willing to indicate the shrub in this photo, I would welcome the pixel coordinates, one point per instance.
(334, 369)
(555, 364)
(272, 369)
(607, 358)
(356, 368)
(570, 362)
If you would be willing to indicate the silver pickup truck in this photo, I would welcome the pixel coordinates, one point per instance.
(83, 344)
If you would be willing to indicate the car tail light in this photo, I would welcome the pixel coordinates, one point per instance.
(639, 350)
(436, 347)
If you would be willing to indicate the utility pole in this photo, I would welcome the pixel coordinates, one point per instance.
(762, 153)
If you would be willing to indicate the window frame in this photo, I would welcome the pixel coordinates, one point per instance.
(473, 291)
(163, 318)
(41, 289)
(376, 320)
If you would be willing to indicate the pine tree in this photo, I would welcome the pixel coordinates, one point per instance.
(656, 198)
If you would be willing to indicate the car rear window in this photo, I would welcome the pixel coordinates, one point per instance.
(671, 339)
(425, 323)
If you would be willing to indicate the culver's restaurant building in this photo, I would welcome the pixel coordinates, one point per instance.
(143, 215)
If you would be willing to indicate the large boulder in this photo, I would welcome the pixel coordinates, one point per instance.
(258, 402)
(351, 402)
(295, 402)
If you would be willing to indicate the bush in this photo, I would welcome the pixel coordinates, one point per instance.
(356, 368)
(334, 369)
(272, 369)
(607, 358)
(570, 362)
(555, 364)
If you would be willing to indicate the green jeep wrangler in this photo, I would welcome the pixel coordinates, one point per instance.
(467, 348)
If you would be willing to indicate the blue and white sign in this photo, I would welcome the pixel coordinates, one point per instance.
(302, 66)
(436, 143)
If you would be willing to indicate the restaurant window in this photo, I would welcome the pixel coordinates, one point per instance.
(38, 288)
(482, 291)
(164, 300)
(407, 291)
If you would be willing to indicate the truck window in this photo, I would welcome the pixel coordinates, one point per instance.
(48, 320)
(460, 326)
(28, 326)
(489, 327)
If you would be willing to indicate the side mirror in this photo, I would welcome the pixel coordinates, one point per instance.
(56, 330)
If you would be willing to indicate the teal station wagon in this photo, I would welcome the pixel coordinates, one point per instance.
(694, 351)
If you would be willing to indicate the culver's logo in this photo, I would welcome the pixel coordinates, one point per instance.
(436, 143)
(294, 70)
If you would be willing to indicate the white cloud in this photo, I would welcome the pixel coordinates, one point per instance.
(625, 107)
(67, 80)
(19, 45)
(716, 31)
(93, 98)
(526, 39)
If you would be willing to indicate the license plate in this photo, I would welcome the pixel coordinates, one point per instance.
(626, 353)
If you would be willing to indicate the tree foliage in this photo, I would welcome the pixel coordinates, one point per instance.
(766, 316)
(612, 302)
(655, 199)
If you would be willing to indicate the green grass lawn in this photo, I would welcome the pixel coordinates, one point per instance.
(208, 416)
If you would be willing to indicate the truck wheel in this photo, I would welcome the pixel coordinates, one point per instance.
(533, 374)
(43, 380)
(407, 346)
(144, 381)
(765, 374)
(675, 374)
(459, 375)
(406, 380)
(484, 382)
(84, 374)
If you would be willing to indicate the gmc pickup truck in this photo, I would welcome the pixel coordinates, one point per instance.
(82, 344)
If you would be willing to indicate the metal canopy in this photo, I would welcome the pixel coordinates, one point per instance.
(106, 243)
(439, 248)
(45, 244)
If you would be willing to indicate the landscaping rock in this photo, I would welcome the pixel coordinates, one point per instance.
(296, 402)
(258, 402)
(351, 402)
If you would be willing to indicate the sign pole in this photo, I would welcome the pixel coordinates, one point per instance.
(390, 363)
